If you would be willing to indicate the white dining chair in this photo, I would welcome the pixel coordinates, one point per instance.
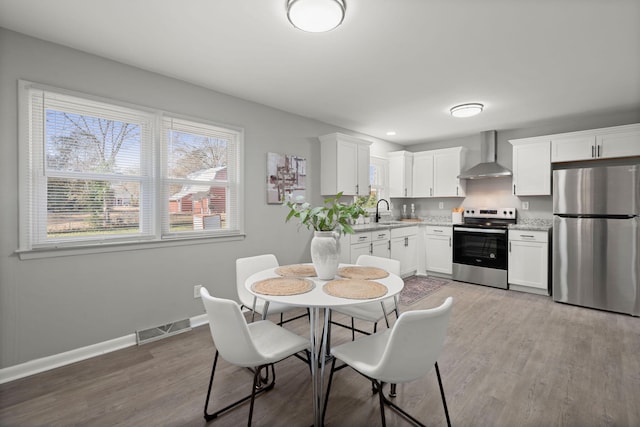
(247, 266)
(257, 345)
(371, 312)
(403, 353)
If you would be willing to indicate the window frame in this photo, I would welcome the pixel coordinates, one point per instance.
(382, 162)
(153, 231)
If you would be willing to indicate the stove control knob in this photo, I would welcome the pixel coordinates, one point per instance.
(511, 213)
(504, 212)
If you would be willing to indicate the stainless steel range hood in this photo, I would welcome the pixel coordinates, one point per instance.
(489, 166)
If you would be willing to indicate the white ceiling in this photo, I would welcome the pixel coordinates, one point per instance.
(392, 65)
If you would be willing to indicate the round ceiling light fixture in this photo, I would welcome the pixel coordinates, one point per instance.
(316, 16)
(466, 110)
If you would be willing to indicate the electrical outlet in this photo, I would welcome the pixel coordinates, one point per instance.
(525, 206)
(196, 291)
(441, 205)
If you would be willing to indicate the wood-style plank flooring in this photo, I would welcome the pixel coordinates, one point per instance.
(510, 359)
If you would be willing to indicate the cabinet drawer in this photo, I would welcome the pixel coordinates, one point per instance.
(439, 231)
(361, 238)
(530, 236)
(404, 231)
(380, 235)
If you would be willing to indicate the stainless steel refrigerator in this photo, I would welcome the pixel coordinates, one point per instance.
(596, 233)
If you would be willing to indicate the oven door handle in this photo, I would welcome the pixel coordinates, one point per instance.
(480, 230)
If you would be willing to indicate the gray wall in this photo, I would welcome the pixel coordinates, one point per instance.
(52, 305)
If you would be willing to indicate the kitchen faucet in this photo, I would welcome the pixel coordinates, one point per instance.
(377, 205)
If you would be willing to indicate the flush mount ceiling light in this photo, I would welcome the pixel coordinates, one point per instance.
(466, 110)
(315, 16)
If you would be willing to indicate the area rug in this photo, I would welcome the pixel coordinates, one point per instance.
(418, 287)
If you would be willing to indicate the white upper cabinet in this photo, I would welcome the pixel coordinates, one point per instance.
(447, 165)
(431, 173)
(400, 174)
(344, 165)
(566, 149)
(423, 174)
(531, 166)
(619, 144)
(605, 143)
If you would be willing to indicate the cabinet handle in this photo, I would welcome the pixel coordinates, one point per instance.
(437, 231)
(593, 151)
(389, 245)
(405, 192)
(509, 246)
(371, 248)
(514, 189)
(598, 151)
(456, 190)
(357, 189)
(449, 241)
(527, 235)
(431, 191)
(406, 241)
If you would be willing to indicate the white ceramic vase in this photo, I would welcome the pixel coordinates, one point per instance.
(325, 253)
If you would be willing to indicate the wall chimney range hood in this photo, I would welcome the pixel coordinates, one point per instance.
(489, 166)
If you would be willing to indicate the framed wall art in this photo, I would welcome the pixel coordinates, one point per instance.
(286, 176)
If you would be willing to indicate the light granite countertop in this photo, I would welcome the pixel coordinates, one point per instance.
(533, 224)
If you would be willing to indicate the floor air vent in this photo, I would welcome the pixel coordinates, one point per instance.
(163, 331)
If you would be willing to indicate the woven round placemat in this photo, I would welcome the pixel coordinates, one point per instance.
(297, 270)
(363, 273)
(355, 289)
(282, 286)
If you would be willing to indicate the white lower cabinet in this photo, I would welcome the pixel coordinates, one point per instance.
(404, 248)
(380, 243)
(528, 269)
(439, 249)
(365, 243)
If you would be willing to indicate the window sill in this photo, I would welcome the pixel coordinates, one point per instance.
(121, 247)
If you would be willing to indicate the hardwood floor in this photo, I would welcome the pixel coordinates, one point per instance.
(510, 359)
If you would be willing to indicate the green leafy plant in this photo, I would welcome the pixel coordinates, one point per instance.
(333, 216)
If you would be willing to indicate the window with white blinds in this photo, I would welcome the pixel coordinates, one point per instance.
(98, 172)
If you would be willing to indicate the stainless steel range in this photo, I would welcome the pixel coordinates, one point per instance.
(480, 246)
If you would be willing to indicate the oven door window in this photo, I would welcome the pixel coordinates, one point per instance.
(480, 249)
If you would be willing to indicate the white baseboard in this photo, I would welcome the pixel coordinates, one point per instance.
(36, 366)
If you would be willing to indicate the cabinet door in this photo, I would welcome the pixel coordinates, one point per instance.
(400, 174)
(359, 249)
(446, 168)
(532, 169)
(363, 185)
(423, 174)
(405, 250)
(619, 145)
(411, 254)
(347, 159)
(528, 265)
(381, 248)
(439, 254)
(573, 148)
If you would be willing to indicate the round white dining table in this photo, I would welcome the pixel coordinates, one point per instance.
(315, 300)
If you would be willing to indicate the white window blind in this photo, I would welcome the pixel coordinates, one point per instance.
(97, 172)
(201, 178)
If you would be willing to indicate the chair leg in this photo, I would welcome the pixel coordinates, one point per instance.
(257, 388)
(392, 392)
(353, 329)
(326, 397)
(444, 401)
(382, 402)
